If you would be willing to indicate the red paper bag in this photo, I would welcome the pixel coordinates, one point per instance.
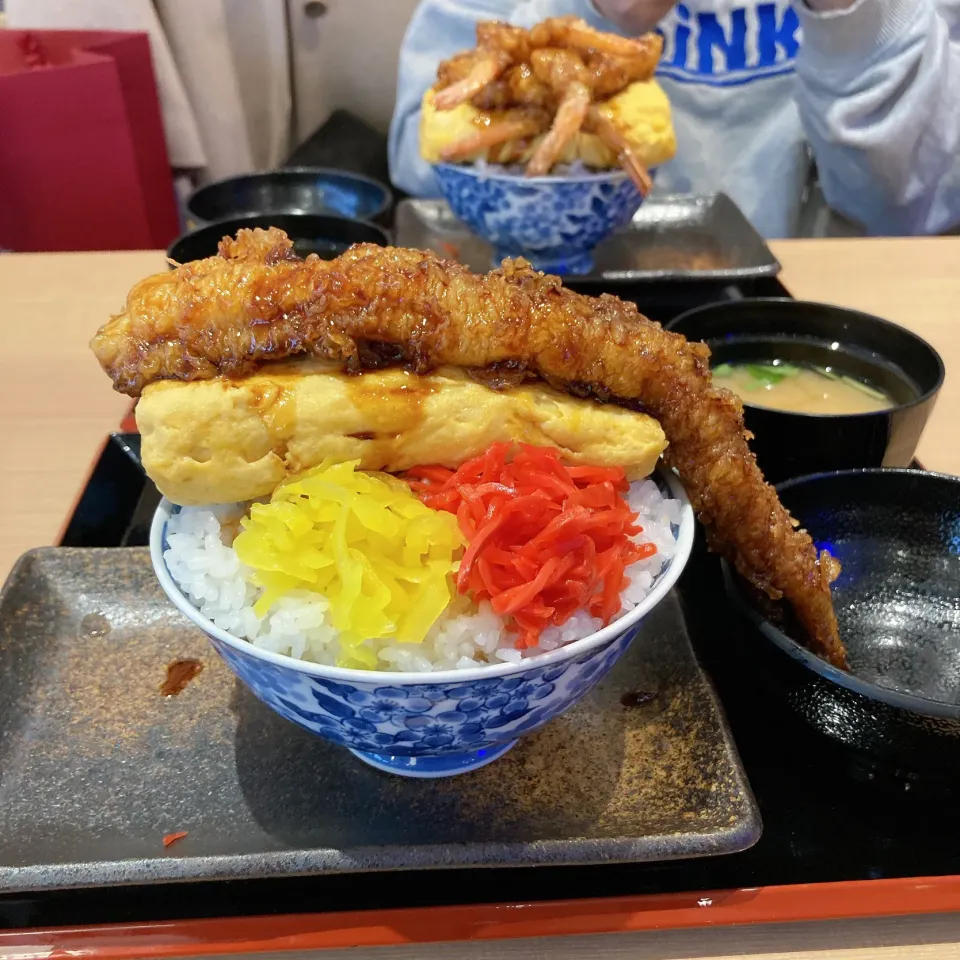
(83, 160)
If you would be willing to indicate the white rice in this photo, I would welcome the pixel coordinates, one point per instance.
(575, 169)
(205, 566)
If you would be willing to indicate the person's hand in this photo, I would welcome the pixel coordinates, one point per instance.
(636, 16)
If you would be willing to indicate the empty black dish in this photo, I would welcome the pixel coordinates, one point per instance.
(883, 353)
(326, 236)
(896, 534)
(291, 190)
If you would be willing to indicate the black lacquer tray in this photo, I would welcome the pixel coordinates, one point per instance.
(829, 814)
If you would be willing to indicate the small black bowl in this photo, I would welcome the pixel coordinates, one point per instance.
(326, 236)
(883, 353)
(896, 534)
(292, 190)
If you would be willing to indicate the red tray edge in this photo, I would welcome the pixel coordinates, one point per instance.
(245, 935)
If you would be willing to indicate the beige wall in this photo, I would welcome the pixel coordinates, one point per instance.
(347, 58)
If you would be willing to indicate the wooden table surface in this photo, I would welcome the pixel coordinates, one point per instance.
(56, 407)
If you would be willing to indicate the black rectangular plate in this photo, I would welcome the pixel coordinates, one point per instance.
(672, 238)
(96, 766)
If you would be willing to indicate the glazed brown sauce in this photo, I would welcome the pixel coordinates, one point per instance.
(179, 674)
(277, 406)
(637, 698)
(94, 625)
(390, 405)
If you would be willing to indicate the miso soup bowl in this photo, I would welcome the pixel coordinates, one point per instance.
(882, 353)
(429, 724)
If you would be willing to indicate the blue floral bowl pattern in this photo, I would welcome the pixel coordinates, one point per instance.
(427, 724)
(555, 222)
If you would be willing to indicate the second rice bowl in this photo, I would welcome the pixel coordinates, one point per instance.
(553, 221)
(432, 722)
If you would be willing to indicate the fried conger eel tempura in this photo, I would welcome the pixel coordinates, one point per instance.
(377, 306)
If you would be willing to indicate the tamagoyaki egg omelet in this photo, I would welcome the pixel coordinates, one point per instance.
(228, 440)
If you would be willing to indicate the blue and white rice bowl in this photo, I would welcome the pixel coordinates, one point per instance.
(454, 715)
(554, 221)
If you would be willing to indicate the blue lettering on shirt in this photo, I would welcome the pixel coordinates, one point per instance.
(731, 46)
(712, 37)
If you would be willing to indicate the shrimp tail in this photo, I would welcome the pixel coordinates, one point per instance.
(611, 135)
(566, 124)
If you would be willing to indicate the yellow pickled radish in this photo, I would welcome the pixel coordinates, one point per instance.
(382, 559)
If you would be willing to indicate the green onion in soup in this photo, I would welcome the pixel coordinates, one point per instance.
(800, 388)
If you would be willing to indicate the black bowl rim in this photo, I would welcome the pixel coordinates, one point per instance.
(384, 189)
(220, 224)
(850, 311)
(872, 691)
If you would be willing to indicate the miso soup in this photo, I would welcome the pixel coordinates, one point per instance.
(800, 388)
